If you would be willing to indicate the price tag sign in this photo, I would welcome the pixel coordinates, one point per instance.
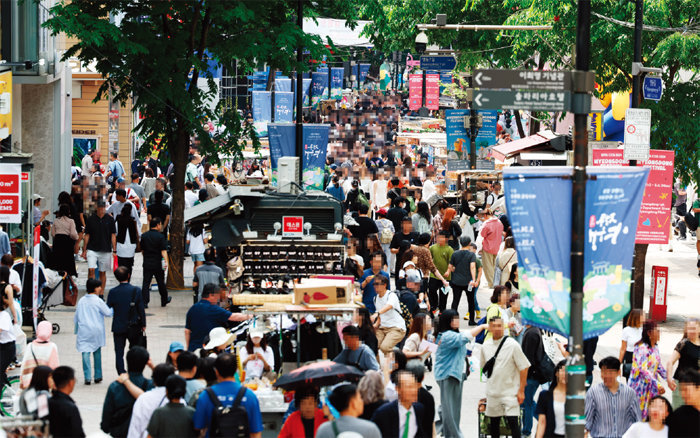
(292, 226)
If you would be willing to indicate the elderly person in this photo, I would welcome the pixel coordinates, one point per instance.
(371, 389)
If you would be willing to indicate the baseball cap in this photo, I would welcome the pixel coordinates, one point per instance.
(36, 196)
(176, 346)
(412, 277)
(382, 212)
(255, 333)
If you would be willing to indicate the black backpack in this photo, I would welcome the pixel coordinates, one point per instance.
(231, 421)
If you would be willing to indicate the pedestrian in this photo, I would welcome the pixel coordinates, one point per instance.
(15, 280)
(499, 304)
(227, 393)
(38, 215)
(41, 384)
(506, 260)
(425, 261)
(631, 334)
(441, 254)
(654, 425)
(119, 200)
(176, 348)
(492, 235)
(417, 368)
(155, 262)
(149, 401)
(371, 388)
(355, 352)
(611, 407)
(208, 273)
(411, 296)
(687, 354)
(451, 227)
(365, 227)
(188, 369)
(477, 281)
(398, 247)
(390, 325)
(129, 317)
(335, 189)
(100, 242)
(539, 372)
(367, 281)
(148, 183)
(174, 419)
(451, 369)
(139, 192)
(305, 421)
(64, 237)
(86, 163)
(505, 387)
(90, 328)
(514, 316)
(397, 212)
(160, 187)
(209, 186)
(402, 417)
(368, 336)
(385, 232)
(64, 415)
(354, 263)
(354, 197)
(681, 208)
(204, 316)
(422, 219)
(648, 371)
(257, 357)
(347, 404)
(115, 168)
(551, 422)
(159, 210)
(7, 333)
(413, 347)
(190, 195)
(119, 402)
(685, 420)
(195, 241)
(462, 270)
(128, 232)
(40, 352)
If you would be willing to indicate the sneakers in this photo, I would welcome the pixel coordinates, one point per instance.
(478, 315)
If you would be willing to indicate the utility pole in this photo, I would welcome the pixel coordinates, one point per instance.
(474, 126)
(299, 149)
(576, 368)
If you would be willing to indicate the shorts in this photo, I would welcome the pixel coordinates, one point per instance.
(103, 259)
(197, 257)
(502, 407)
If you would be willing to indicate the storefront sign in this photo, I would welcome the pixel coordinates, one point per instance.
(10, 193)
(292, 226)
(655, 214)
(539, 208)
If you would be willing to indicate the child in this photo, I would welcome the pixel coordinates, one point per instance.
(90, 328)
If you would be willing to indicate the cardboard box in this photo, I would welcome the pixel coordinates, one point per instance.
(323, 291)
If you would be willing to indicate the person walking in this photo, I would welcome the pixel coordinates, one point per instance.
(685, 421)
(533, 348)
(551, 422)
(371, 387)
(687, 354)
(64, 237)
(347, 407)
(462, 269)
(208, 273)
(159, 210)
(630, 336)
(206, 315)
(174, 419)
(492, 235)
(140, 193)
(149, 401)
(390, 325)
(155, 262)
(100, 242)
(129, 317)
(441, 254)
(148, 183)
(90, 328)
(654, 425)
(385, 233)
(648, 372)
(127, 237)
(401, 242)
(506, 260)
(505, 387)
(402, 417)
(499, 304)
(367, 281)
(451, 226)
(64, 415)
(422, 219)
(425, 263)
(115, 168)
(7, 333)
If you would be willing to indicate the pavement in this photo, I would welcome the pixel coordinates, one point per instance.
(165, 325)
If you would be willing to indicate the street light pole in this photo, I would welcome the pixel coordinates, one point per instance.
(299, 149)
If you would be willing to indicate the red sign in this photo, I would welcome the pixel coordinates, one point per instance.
(292, 226)
(415, 91)
(432, 91)
(25, 176)
(9, 183)
(9, 204)
(655, 215)
(659, 287)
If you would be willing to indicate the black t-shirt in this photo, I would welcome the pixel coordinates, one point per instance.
(308, 427)
(152, 243)
(100, 231)
(411, 238)
(160, 211)
(689, 357)
(684, 422)
(409, 299)
(462, 261)
(365, 226)
(396, 215)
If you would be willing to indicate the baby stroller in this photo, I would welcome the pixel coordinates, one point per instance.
(49, 298)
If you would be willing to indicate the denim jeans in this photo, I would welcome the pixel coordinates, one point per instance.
(97, 358)
(529, 405)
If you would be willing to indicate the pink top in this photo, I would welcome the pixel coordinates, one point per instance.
(492, 233)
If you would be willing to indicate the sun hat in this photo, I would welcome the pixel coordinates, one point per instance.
(218, 336)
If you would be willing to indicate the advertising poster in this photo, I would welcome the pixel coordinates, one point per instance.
(284, 107)
(487, 132)
(445, 79)
(262, 113)
(457, 137)
(432, 91)
(364, 72)
(5, 104)
(282, 137)
(415, 91)
(539, 208)
(319, 87)
(283, 84)
(655, 215)
(10, 193)
(306, 89)
(337, 82)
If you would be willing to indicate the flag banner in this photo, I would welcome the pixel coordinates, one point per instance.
(262, 114)
(282, 138)
(284, 107)
(306, 90)
(415, 91)
(10, 193)
(538, 202)
(319, 87)
(457, 136)
(487, 133)
(364, 72)
(35, 275)
(445, 79)
(337, 82)
(432, 91)
(283, 84)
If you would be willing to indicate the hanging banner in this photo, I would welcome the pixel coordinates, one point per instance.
(337, 82)
(364, 72)
(445, 79)
(261, 111)
(10, 193)
(283, 84)
(284, 107)
(319, 87)
(306, 90)
(35, 275)
(415, 91)
(432, 91)
(315, 147)
(538, 202)
(5, 104)
(457, 136)
(282, 139)
(487, 132)
(655, 215)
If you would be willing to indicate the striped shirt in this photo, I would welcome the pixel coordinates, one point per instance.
(609, 415)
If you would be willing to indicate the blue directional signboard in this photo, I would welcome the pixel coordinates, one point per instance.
(438, 62)
(653, 88)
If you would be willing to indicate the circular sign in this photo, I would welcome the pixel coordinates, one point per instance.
(631, 129)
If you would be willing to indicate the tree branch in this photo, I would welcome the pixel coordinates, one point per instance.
(206, 25)
(622, 70)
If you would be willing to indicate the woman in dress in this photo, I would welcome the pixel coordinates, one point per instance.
(654, 425)
(630, 336)
(64, 236)
(551, 422)
(648, 372)
(687, 354)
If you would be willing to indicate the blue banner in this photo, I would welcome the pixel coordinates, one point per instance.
(364, 72)
(283, 84)
(282, 138)
(284, 107)
(262, 111)
(538, 202)
(319, 87)
(306, 89)
(457, 137)
(337, 82)
(487, 132)
(445, 79)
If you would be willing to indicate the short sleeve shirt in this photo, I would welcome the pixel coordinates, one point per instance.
(462, 261)
(160, 211)
(441, 257)
(172, 420)
(201, 318)
(152, 243)
(100, 231)
(392, 318)
(505, 380)
(226, 392)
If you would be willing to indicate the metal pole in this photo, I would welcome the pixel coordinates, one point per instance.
(478, 27)
(576, 368)
(299, 149)
(472, 133)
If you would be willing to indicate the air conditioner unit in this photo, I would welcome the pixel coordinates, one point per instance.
(288, 175)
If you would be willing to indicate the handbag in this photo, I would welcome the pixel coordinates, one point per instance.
(134, 329)
(488, 366)
(691, 222)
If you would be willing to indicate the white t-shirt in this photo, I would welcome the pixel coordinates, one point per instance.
(643, 430)
(632, 335)
(7, 334)
(428, 189)
(379, 193)
(15, 280)
(127, 249)
(196, 243)
(190, 198)
(254, 368)
(392, 318)
(559, 418)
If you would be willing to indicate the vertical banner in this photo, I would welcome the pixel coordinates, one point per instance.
(457, 137)
(415, 91)
(337, 82)
(282, 139)
(283, 84)
(5, 104)
(655, 215)
(319, 87)
(315, 139)
(261, 111)
(487, 132)
(432, 91)
(35, 275)
(364, 72)
(595, 132)
(445, 79)
(306, 91)
(284, 107)
(10, 193)
(538, 201)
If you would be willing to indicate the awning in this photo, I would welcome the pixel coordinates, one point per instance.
(532, 143)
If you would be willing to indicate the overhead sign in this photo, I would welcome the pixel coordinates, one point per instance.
(522, 100)
(523, 79)
(438, 62)
(10, 193)
(292, 226)
(637, 133)
(653, 88)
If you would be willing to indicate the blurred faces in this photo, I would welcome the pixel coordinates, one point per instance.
(441, 240)
(561, 376)
(496, 328)
(406, 227)
(377, 263)
(352, 342)
(658, 411)
(455, 323)
(307, 408)
(692, 329)
(690, 393)
(610, 377)
(407, 389)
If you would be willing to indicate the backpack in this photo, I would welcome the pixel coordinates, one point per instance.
(362, 199)
(230, 421)
(405, 313)
(386, 235)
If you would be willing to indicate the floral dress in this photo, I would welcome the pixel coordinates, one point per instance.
(647, 374)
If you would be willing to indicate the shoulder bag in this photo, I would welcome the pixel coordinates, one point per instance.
(488, 366)
(134, 329)
(498, 271)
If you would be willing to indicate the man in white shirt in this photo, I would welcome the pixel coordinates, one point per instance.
(116, 208)
(388, 322)
(428, 186)
(402, 417)
(150, 401)
(86, 164)
(493, 195)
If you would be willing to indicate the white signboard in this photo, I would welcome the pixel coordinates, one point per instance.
(637, 134)
(10, 193)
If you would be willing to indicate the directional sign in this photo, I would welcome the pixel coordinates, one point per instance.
(523, 79)
(438, 62)
(523, 100)
(637, 134)
(653, 88)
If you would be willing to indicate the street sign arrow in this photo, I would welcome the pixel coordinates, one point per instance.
(522, 100)
(523, 79)
(438, 62)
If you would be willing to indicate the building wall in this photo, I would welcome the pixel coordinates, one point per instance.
(38, 133)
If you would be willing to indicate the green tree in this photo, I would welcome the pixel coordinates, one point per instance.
(155, 52)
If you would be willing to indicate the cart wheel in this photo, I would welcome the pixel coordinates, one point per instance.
(55, 328)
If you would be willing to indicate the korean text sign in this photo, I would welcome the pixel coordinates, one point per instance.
(10, 193)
